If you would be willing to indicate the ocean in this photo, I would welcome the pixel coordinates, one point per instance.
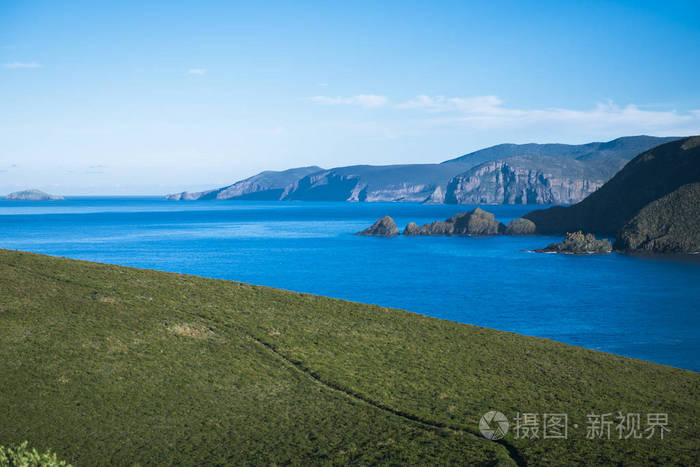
(640, 307)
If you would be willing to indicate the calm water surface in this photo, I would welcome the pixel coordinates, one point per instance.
(638, 307)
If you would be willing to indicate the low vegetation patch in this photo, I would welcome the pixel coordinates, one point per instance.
(22, 455)
(194, 331)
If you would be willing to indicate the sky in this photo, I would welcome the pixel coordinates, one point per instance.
(164, 96)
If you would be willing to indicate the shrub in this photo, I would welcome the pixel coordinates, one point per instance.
(20, 455)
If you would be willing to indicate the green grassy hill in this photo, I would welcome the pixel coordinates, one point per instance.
(113, 365)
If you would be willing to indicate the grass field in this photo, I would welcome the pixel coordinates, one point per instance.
(112, 365)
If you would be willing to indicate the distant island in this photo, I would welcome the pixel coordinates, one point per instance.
(32, 195)
(502, 174)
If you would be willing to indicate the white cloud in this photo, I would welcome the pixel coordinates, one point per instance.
(16, 65)
(490, 113)
(196, 71)
(363, 100)
(444, 104)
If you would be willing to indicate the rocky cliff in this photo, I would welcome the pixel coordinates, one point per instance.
(409, 183)
(531, 180)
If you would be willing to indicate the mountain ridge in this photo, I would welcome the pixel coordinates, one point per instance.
(574, 171)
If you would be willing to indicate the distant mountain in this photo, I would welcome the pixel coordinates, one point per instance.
(503, 174)
(646, 178)
(265, 186)
(625, 147)
(32, 195)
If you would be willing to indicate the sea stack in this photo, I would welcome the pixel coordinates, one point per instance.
(521, 226)
(579, 244)
(477, 223)
(384, 227)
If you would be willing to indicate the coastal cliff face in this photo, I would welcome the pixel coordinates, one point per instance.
(530, 180)
(418, 183)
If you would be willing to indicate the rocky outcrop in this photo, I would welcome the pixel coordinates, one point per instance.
(531, 180)
(520, 226)
(579, 244)
(477, 223)
(670, 224)
(412, 229)
(384, 227)
(646, 178)
(32, 195)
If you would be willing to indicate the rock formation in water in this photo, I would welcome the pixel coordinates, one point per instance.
(384, 227)
(32, 195)
(520, 226)
(670, 224)
(477, 223)
(646, 178)
(578, 243)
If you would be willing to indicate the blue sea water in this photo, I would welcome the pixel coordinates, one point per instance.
(640, 307)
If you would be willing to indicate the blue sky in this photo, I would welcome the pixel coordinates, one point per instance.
(125, 98)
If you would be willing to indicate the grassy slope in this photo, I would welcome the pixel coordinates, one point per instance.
(98, 364)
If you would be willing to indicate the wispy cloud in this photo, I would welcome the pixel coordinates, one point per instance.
(17, 65)
(196, 71)
(490, 113)
(362, 100)
(473, 104)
